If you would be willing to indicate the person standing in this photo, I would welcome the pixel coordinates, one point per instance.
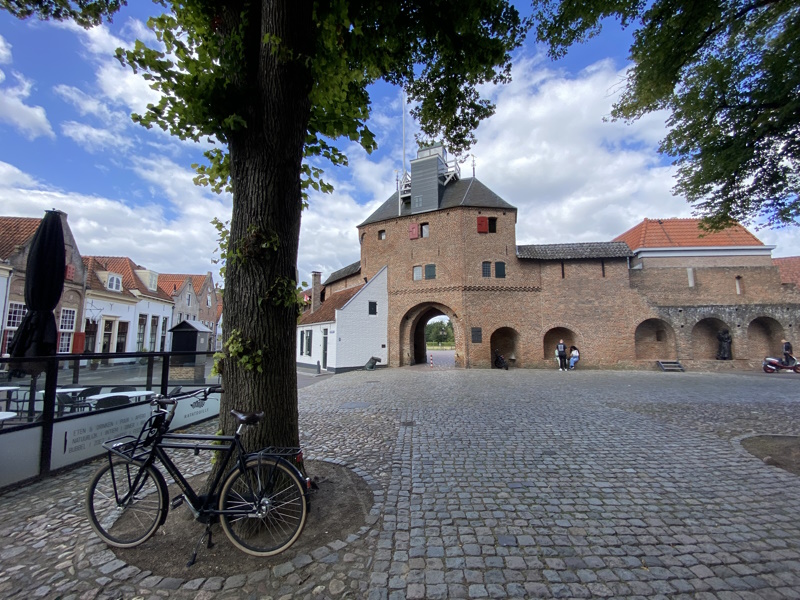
(787, 352)
(561, 349)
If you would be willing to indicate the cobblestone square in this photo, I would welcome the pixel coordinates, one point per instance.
(495, 484)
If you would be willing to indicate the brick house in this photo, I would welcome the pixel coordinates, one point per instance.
(16, 235)
(663, 290)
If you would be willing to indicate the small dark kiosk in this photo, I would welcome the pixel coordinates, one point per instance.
(189, 336)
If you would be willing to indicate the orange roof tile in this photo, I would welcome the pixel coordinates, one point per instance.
(683, 233)
(327, 310)
(94, 264)
(15, 231)
(125, 267)
(219, 295)
(789, 268)
(172, 282)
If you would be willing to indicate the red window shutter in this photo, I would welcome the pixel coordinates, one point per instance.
(69, 272)
(413, 231)
(78, 342)
(483, 224)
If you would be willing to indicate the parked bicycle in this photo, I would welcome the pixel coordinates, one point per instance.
(261, 501)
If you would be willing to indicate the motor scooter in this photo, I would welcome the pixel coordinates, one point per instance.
(500, 361)
(773, 365)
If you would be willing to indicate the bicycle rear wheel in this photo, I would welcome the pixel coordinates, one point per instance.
(125, 506)
(266, 507)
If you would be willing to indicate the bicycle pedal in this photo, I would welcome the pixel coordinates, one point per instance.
(177, 501)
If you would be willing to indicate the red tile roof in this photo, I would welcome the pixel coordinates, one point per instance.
(327, 311)
(219, 295)
(789, 268)
(94, 264)
(125, 267)
(172, 282)
(683, 233)
(15, 231)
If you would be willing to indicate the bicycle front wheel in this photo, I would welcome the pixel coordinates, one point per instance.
(263, 507)
(126, 503)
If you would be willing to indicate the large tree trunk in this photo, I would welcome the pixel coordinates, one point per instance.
(266, 159)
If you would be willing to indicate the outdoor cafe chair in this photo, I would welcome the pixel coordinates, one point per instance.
(124, 388)
(68, 403)
(89, 391)
(111, 402)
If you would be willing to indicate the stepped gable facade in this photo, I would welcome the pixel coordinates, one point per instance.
(662, 290)
(16, 235)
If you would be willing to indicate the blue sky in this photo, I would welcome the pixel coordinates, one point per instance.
(67, 142)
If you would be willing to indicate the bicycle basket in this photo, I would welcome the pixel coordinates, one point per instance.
(136, 448)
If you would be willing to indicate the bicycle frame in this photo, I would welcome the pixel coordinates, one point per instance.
(182, 441)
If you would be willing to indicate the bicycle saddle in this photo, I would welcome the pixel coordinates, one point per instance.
(247, 418)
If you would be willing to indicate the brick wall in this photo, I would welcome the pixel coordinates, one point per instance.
(613, 314)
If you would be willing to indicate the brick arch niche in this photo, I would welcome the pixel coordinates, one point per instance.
(412, 333)
(704, 339)
(655, 340)
(551, 341)
(764, 336)
(505, 340)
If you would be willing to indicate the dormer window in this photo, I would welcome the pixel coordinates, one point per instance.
(153, 282)
(115, 283)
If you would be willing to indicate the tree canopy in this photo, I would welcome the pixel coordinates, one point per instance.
(274, 84)
(729, 72)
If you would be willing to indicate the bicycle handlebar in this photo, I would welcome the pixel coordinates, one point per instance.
(164, 401)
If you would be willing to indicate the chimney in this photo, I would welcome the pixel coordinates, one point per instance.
(316, 290)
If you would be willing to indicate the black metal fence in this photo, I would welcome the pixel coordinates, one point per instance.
(40, 402)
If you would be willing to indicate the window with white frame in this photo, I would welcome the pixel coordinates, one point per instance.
(140, 333)
(153, 332)
(188, 299)
(16, 312)
(208, 300)
(164, 327)
(115, 283)
(66, 327)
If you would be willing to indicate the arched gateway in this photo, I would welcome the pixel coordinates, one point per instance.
(412, 333)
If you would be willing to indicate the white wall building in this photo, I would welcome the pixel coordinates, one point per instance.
(347, 329)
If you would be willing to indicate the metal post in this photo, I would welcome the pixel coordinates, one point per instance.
(48, 414)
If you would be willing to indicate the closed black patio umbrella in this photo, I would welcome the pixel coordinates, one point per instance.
(37, 334)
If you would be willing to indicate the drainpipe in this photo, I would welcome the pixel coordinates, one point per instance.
(5, 302)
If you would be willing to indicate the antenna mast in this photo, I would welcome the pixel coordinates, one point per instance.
(403, 176)
(403, 100)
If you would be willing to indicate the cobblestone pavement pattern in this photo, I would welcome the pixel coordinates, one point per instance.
(494, 484)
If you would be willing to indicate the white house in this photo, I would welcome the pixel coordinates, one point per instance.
(346, 329)
(125, 309)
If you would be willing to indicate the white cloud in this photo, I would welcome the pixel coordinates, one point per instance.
(88, 105)
(572, 175)
(172, 238)
(93, 139)
(11, 176)
(31, 121)
(5, 51)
